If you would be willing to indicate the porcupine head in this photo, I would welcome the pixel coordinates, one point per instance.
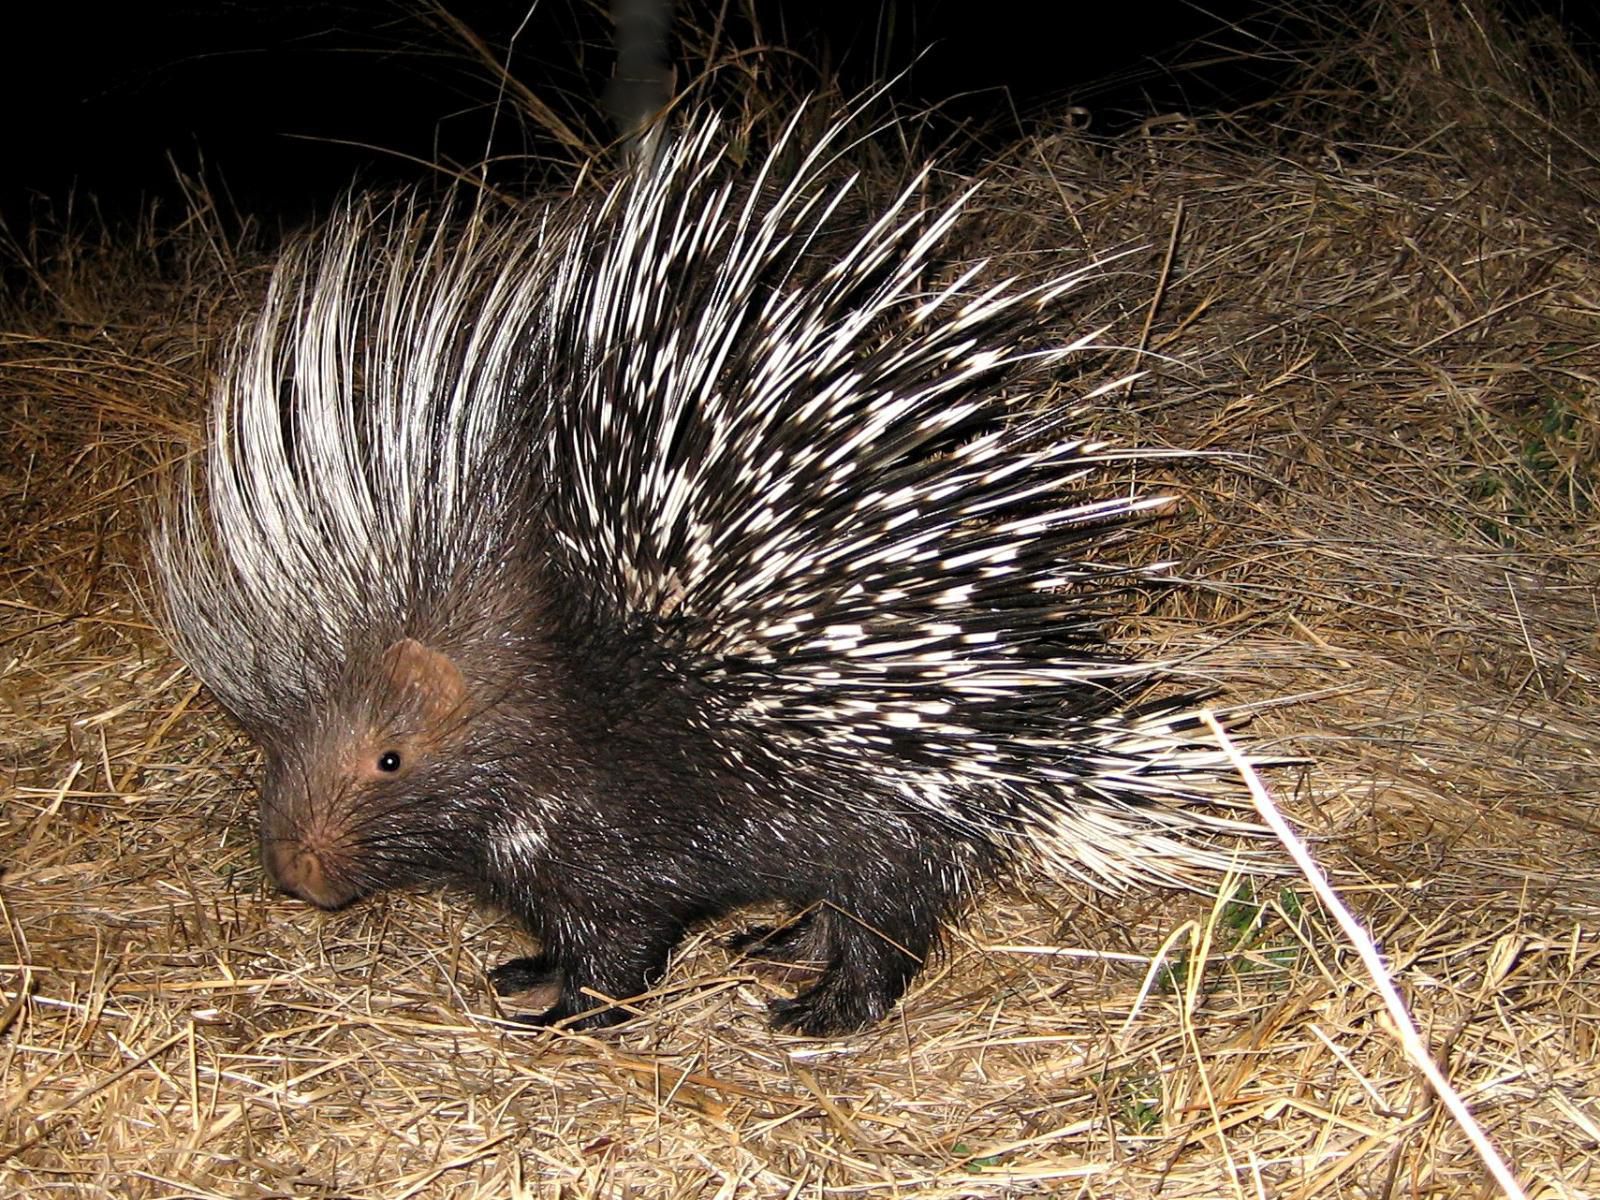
(628, 562)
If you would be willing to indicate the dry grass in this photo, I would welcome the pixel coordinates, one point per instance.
(1383, 316)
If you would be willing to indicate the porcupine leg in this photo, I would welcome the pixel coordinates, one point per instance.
(877, 922)
(870, 962)
(794, 941)
(625, 964)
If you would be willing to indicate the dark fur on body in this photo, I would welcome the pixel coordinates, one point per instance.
(662, 853)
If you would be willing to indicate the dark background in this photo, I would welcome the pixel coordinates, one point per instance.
(278, 106)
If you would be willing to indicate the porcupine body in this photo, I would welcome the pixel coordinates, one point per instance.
(627, 562)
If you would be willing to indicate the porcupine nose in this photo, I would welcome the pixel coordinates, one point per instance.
(299, 870)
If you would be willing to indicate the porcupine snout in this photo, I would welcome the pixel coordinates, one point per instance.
(310, 830)
(298, 869)
(304, 859)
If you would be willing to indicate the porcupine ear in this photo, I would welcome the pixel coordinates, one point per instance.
(428, 679)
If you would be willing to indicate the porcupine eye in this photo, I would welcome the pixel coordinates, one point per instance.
(389, 761)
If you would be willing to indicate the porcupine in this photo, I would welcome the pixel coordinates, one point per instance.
(628, 562)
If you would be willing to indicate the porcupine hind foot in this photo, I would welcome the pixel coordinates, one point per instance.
(795, 942)
(869, 966)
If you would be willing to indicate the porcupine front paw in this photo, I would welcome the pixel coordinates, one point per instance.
(537, 980)
(597, 979)
(548, 981)
(519, 975)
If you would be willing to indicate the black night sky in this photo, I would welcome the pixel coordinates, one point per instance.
(282, 103)
(279, 106)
